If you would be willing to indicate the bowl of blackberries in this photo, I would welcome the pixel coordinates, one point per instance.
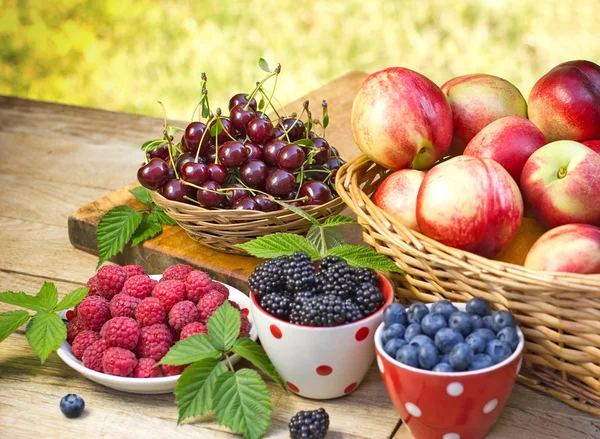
(317, 321)
(449, 368)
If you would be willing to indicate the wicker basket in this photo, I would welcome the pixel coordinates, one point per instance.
(223, 229)
(559, 313)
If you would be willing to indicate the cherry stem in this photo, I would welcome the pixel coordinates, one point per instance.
(192, 200)
(207, 129)
(258, 86)
(301, 180)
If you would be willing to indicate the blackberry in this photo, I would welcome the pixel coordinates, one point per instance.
(366, 275)
(298, 306)
(323, 310)
(353, 312)
(277, 304)
(298, 273)
(309, 425)
(330, 261)
(368, 298)
(266, 278)
(337, 277)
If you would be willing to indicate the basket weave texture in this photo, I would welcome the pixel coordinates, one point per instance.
(559, 313)
(222, 229)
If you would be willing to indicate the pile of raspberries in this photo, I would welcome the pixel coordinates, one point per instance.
(129, 321)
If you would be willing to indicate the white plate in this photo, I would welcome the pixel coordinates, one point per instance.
(145, 385)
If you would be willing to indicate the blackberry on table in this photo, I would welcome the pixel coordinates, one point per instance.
(298, 273)
(337, 277)
(277, 304)
(267, 277)
(368, 298)
(312, 424)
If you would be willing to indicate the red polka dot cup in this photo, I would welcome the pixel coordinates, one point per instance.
(320, 363)
(460, 405)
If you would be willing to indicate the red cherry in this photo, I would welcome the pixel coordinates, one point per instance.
(192, 135)
(232, 154)
(153, 174)
(317, 192)
(280, 182)
(265, 203)
(291, 157)
(182, 160)
(322, 156)
(175, 190)
(271, 151)
(162, 152)
(240, 117)
(253, 173)
(254, 151)
(217, 173)
(208, 197)
(245, 203)
(295, 128)
(195, 173)
(239, 192)
(241, 98)
(259, 130)
(227, 128)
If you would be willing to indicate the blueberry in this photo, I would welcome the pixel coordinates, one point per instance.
(392, 346)
(420, 340)
(428, 356)
(447, 338)
(487, 322)
(416, 312)
(503, 319)
(408, 355)
(412, 331)
(395, 313)
(476, 322)
(444, 307)
(461, 322)
(477, 343)
(72, 405)
(498, 350)
(460, 357)
(510, 336)
(444, 359)
(486, 333)
(393, 331)
(478, 307)
(432, 323)
(443, 367)
(481, 361)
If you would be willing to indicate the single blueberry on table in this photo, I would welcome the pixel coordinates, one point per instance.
(478, 307)
(477, 343)
(395, 313)
(412, 331)
(481, 361)
(443, 367)
(510, 336)
(486, 333)
(476, 322)
(444, 307)
(72, 405)
(428, 356)
(420, 340)
(461, 322)
(461, 356)
(416, 312)
(487, 322)
(392, 346)
(503, 319)
(432, 323)
(395, 330)
(498, 350)
(447, 338)
(408, 355)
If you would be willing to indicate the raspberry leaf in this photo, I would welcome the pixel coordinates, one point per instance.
(149, 227)
(196, 386)
(161, 216)
(47, 296)
(142, 194)
(325, 238)
(364, 257)
(279, 244)
(45, 332)
(242, 403)
(307, 216)
(254, 353)
(224, 327)
(21, 299)
(72, 299)
(194, 348)
(114, 230)
(338, 220)
(11, 321)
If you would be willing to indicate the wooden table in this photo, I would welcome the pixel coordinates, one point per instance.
(56, 158)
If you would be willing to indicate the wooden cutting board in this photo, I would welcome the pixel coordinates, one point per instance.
(173, 245)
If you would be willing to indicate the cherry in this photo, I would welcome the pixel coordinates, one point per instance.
(153, 174)
(232, 154)
(241, 98)
(192, 135)
(253, 174)
(195, 173)
(291, 157)
(259, 130)
(184, 158)
(322, 156)
(298, 203)
(171, 172)
(311, 135)
(334, 151)
(262, 115)
(217, 173)
(233, 196)
(280, 182)
(254, 151)
(162, 152)
(278, 132)
(209, 198)
(317, 172)
(271, 151)
(175, 190)
(265, 203)
(227, 128)
(295, 128)
(317, 192)
(335, 163)
(245, 203)
(240, 117)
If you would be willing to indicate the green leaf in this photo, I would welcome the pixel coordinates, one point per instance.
(161, 216)
(325, 238)
(261, 104)
(325, 117)
(305, 142)
(148, 228)
(194, 348)
(151, 145)
(242, 403)
(365, 257)
(204, 109)
(254, 353)
(224, 327)
(173, 129)
(116, 229)
(196, 386)
(72, 299)
(338, 220)
(11, 321)
(142, 194)
(279, 244)
(263, 65)
(216, 129)
(47, 296)
(297, 211)
(45, 332)
(21, 299)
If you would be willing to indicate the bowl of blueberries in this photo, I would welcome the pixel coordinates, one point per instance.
(449, 368)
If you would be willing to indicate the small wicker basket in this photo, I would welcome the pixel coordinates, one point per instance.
(559, 313)
(223, 229)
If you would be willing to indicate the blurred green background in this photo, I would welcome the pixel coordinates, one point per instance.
(125, 55)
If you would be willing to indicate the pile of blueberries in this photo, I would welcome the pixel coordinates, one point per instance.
(443, 339)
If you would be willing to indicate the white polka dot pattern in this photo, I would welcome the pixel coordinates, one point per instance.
(490, 406)
(451, 436)
(413, 409)
(455, 389)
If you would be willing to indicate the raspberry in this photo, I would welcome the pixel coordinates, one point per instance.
(183, 313)
(118, 361)
(93, 312)
(92, 284)
(154, 342)
(110, 280)
(134, 270)
(218, 286)
(92, 357)
(235, 305)
(208, 304)
(83, 341)
(150, 312)
(74, 327)
(122, 332)
(244, 325)
(169, 371)
(145, 369)
(197, 284)
(177, 272)
(139, 286)
(169, 293)
(123, 305)
(192, 329)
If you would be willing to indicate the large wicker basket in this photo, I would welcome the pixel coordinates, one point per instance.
(222, 229)
(559, 313)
